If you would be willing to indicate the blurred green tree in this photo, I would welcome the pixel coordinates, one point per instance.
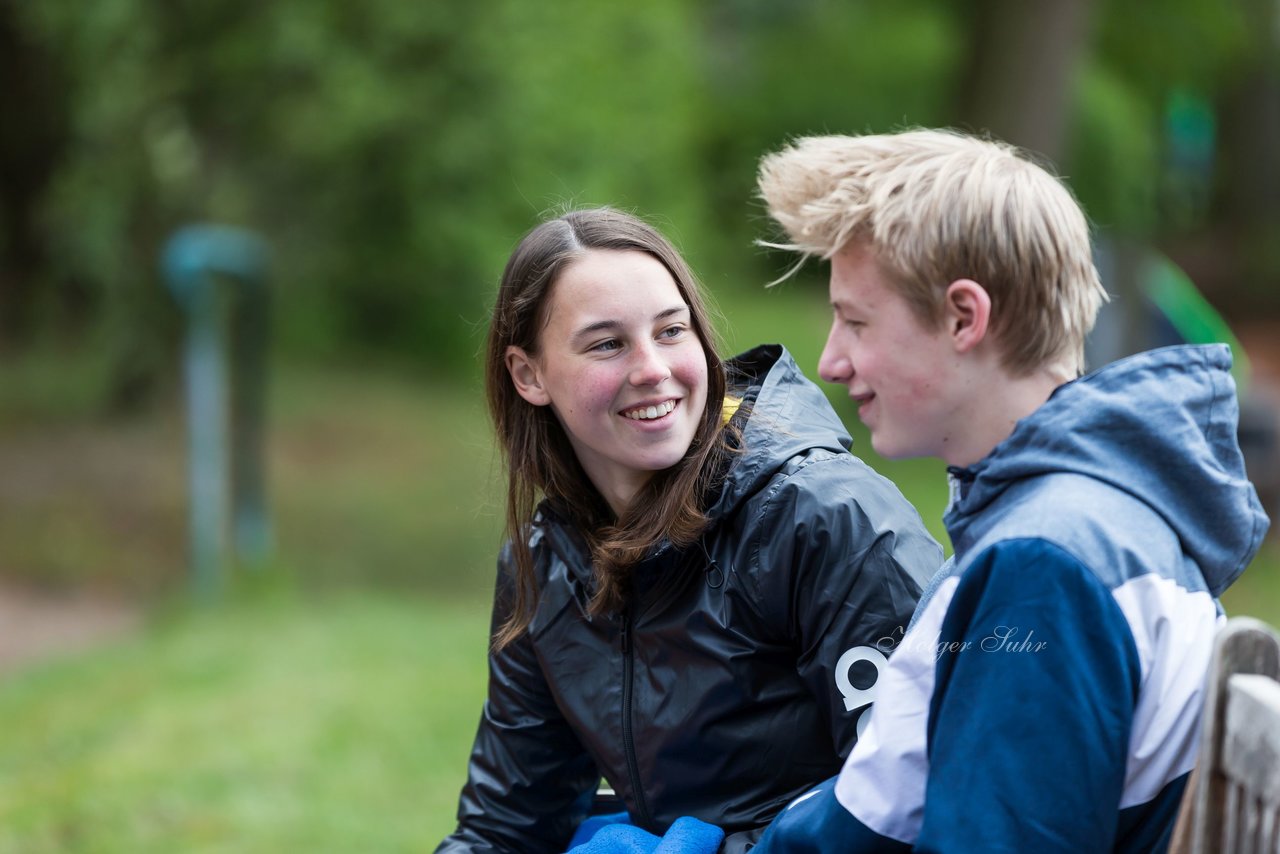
(392, 153)
(30, 151)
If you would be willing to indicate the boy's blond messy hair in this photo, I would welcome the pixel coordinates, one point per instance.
(937, 206)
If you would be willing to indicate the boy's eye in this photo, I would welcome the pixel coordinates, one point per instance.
(606, 346)
(850, 322)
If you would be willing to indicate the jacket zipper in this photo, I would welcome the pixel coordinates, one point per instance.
(628, 740)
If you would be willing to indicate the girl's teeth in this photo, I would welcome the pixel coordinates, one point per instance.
(651, 411)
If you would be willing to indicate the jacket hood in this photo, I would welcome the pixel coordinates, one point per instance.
(1160, 426)
(783, 414)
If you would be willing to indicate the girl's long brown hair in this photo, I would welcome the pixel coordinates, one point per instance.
(540, 461)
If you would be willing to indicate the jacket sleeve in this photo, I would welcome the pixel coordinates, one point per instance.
(529, 782)
(1028, 725)
(1032, 707)
(846, 555)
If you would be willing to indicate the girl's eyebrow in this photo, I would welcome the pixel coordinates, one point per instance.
(608, 325)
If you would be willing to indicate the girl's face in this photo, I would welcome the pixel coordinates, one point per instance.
(621, 366)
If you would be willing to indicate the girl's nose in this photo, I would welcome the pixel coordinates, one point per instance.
(649, 367)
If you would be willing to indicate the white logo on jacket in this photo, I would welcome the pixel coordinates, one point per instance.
(856, 698)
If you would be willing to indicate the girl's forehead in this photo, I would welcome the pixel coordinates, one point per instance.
(613, 281)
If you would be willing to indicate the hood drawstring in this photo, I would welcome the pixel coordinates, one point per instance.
(958, 480)
(715, 575)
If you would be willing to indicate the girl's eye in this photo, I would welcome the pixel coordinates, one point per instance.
(672, 331)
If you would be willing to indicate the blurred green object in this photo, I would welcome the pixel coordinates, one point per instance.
(218, 276)
(1154, 304)
(1197, 322)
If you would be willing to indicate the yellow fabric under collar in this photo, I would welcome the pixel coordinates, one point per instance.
(728, 408)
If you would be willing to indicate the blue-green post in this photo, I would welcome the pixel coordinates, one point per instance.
(218, 276)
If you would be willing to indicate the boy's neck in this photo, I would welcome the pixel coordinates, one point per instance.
(1004, 401)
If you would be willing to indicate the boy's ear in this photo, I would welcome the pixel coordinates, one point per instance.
(967, 313)
(525, 376)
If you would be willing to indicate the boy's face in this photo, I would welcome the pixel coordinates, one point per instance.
(897, 370)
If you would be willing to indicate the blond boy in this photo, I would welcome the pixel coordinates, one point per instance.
(1046, 697)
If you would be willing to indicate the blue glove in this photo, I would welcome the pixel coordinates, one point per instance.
(686, 836)
(591, 826)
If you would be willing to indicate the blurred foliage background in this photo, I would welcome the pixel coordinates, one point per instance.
(392, 154)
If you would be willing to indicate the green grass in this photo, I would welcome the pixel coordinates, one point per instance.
(332, 724)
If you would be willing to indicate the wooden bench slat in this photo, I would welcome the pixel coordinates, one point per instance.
(1251, 823)
(1232, 801)
(1270, 820)
(1251, 742)
(1228, 820)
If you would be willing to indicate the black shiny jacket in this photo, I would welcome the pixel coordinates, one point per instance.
(734, 680)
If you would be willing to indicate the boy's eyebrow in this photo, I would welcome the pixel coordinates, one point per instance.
(605, 325)
(845, 305)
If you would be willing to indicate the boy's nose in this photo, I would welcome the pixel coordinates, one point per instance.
(833, 366)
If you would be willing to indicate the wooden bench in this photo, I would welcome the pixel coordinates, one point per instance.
(1232, 802)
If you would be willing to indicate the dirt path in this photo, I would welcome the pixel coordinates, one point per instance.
(92, 521)
(36, 625)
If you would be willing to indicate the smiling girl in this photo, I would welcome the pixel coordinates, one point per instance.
(697, 570)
